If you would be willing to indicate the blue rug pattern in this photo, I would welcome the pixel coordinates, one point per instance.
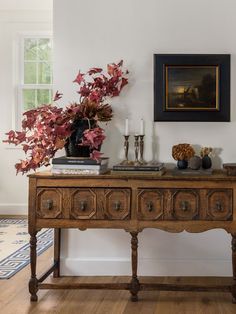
(13, 263)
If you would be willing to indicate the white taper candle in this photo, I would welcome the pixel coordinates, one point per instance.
(141, 127)
(126, 126)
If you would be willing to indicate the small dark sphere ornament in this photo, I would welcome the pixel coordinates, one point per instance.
(195, 163)
(206, 162)
(182, 164)
(72, 146)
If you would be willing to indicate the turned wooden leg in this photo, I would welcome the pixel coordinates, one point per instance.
(57, 249)
(134, 285)
(33, 282)
(234, 267)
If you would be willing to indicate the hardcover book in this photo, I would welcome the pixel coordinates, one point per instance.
(146, 167)
(79, 161)
(140, 173)
(78, 171)
(79, 167)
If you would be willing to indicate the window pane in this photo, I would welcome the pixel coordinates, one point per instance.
(44, 73)
(30, 49)
(29, 99)
(30, 70)
(44, 49)
(43, 96)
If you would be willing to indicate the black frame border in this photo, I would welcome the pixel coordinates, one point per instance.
(221, 60)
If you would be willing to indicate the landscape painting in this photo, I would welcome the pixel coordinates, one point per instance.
(191, 88)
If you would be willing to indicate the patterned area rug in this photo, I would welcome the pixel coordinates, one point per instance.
(14, 245)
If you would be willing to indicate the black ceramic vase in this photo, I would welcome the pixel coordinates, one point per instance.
(206, 162)
(72, 147)
(182, 164)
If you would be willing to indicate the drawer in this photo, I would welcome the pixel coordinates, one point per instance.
(49, 203)
(185, 204)
(219, 204)
(150, 204)
(99, 203)
(168, 204)
(83, 204)
(117, 203)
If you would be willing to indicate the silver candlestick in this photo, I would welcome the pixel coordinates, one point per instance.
(136, 150)
(126, 150)
(141, 148)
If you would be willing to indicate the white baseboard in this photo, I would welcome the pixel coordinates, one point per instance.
(13, 209)
(146, 267)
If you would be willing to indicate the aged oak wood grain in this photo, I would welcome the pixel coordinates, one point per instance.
(132, 203)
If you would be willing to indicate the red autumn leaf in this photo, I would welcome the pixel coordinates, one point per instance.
(95, 96)
(94, 71)
(93, 137)
(115, 92)
(96, 155)
(57, 96)
(120, 64)
(110, 69)
(25, 148)
(21, 136)
(79, 78)
(115, 69)
(124, 82)
(99, 82)
(11, 134)
(84, 91)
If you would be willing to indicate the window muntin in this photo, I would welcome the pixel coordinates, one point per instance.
(36, 74)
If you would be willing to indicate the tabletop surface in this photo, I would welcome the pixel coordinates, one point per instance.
(217, 175)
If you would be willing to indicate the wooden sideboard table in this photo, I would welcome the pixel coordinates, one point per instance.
(170, 203)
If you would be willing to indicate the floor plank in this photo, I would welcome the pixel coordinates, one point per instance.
(14, 297)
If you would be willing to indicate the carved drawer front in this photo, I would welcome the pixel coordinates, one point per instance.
(117, 203)
(185, 204)
(49, 203)
(150, 204)
(83, 204)
(220, 204)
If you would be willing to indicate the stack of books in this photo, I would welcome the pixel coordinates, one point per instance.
(149, 168)
(78, 165)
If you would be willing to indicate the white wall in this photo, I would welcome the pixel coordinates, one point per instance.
(93, 34)
(16, 17)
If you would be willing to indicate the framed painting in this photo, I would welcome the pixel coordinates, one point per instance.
(191, 87)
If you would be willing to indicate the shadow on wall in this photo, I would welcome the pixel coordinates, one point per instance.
(216, 159)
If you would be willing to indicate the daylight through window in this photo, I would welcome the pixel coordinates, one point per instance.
(37, 72)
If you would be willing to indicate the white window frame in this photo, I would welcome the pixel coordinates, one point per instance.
(20, 86)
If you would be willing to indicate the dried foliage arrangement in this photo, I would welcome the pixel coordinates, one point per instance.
(182, 152)
(47, 128)
(205, 151)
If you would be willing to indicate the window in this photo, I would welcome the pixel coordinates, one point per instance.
(35, 72)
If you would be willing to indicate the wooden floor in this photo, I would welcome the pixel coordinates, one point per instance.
(14, 298)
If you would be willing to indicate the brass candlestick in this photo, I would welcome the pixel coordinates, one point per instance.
(136, 150)
(141, 147)
(126, 150)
